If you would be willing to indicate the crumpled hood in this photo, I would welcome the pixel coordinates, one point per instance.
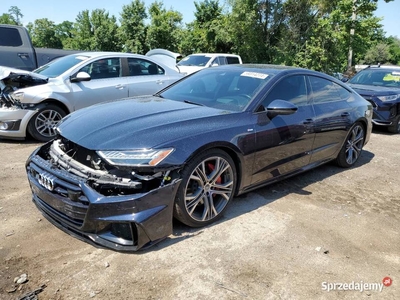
(141, 122)
(6, 72)
(370, 90)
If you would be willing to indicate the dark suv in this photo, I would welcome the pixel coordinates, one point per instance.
(381, 87)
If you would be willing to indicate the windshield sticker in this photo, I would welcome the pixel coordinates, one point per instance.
(395, 76)
(254, 75)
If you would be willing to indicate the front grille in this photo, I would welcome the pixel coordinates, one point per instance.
(58, 197)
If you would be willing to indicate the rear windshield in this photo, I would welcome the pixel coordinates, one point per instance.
(57, 67)
(194, 60)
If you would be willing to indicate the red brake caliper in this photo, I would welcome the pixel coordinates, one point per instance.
(212, 167)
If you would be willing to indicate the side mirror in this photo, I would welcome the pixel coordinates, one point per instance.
(280, 107)
(344, 79)
(214, 65)
(81, 76)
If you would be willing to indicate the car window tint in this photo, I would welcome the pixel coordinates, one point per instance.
(377, 77)
(232, 60)
(10, 37)
(215, 87)
(103, 68)
(343, 93)
(139, 67)
(222, 60)
(194, 60)
(323, 90)
(292, 89)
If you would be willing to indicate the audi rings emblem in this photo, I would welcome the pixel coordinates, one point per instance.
(46, 180)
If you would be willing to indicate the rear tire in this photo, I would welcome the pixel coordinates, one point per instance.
(208, 185)
(42, 126)
(352, 147)
(395, 127)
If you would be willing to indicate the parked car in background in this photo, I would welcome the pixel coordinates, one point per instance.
(195, 62)
(34, 102)
(119, 171)
(17, 51)
(381, 87)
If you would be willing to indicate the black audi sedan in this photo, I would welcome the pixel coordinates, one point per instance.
(119, 172)
(381, 87)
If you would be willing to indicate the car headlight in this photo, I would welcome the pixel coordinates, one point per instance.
(143, 157)
(18, 96)
(389, 98)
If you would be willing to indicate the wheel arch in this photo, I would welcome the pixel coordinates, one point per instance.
(231, 150)
(364, 124)
(56, 102)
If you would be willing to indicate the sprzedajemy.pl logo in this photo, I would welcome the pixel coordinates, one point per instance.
(360, 286)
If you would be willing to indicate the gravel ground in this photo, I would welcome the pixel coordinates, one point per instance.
(291, 240)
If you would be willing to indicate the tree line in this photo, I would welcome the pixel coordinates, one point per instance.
(314, 34)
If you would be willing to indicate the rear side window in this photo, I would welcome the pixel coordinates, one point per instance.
(10, 37)
(232, 60)
(292, 89)
(219, 60)
(324, 90)
(139, 67)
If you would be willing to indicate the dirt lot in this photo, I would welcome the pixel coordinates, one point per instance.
(291, 240)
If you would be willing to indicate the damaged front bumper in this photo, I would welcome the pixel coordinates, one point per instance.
(14, 121)
(121, 222)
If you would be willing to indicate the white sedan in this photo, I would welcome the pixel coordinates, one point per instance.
(34, 102)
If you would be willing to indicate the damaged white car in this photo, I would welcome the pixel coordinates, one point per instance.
(33, 103)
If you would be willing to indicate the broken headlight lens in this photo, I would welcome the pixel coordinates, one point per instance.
(143, 157)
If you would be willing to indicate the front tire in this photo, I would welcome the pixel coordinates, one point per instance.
(395, 127)
(208, 185)
(42, 126)
(352, 147)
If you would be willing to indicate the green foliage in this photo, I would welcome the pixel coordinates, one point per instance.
(43, 34)
(378, 53)
(208, 32)
(95, 31)
(315, 34)
(13, 17)
(394, 49)
(165, 28)
(133, 29)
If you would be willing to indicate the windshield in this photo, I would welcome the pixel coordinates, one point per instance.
(194, 60)
(222, 88)
(60, 65)
(387, 78)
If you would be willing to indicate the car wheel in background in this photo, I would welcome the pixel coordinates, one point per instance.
(395, 127)
(42, 126)
(208, 185)
(352, 146)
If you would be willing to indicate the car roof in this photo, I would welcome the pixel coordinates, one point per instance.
(107, 53)
(384, 68)
(273, 69)
(212, 54)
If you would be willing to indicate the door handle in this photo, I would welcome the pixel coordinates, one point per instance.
(160, 81)
(119, 86)
(23, 55)
(308, 121)
(345, 114)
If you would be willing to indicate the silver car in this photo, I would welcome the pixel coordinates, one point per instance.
(35, 102)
